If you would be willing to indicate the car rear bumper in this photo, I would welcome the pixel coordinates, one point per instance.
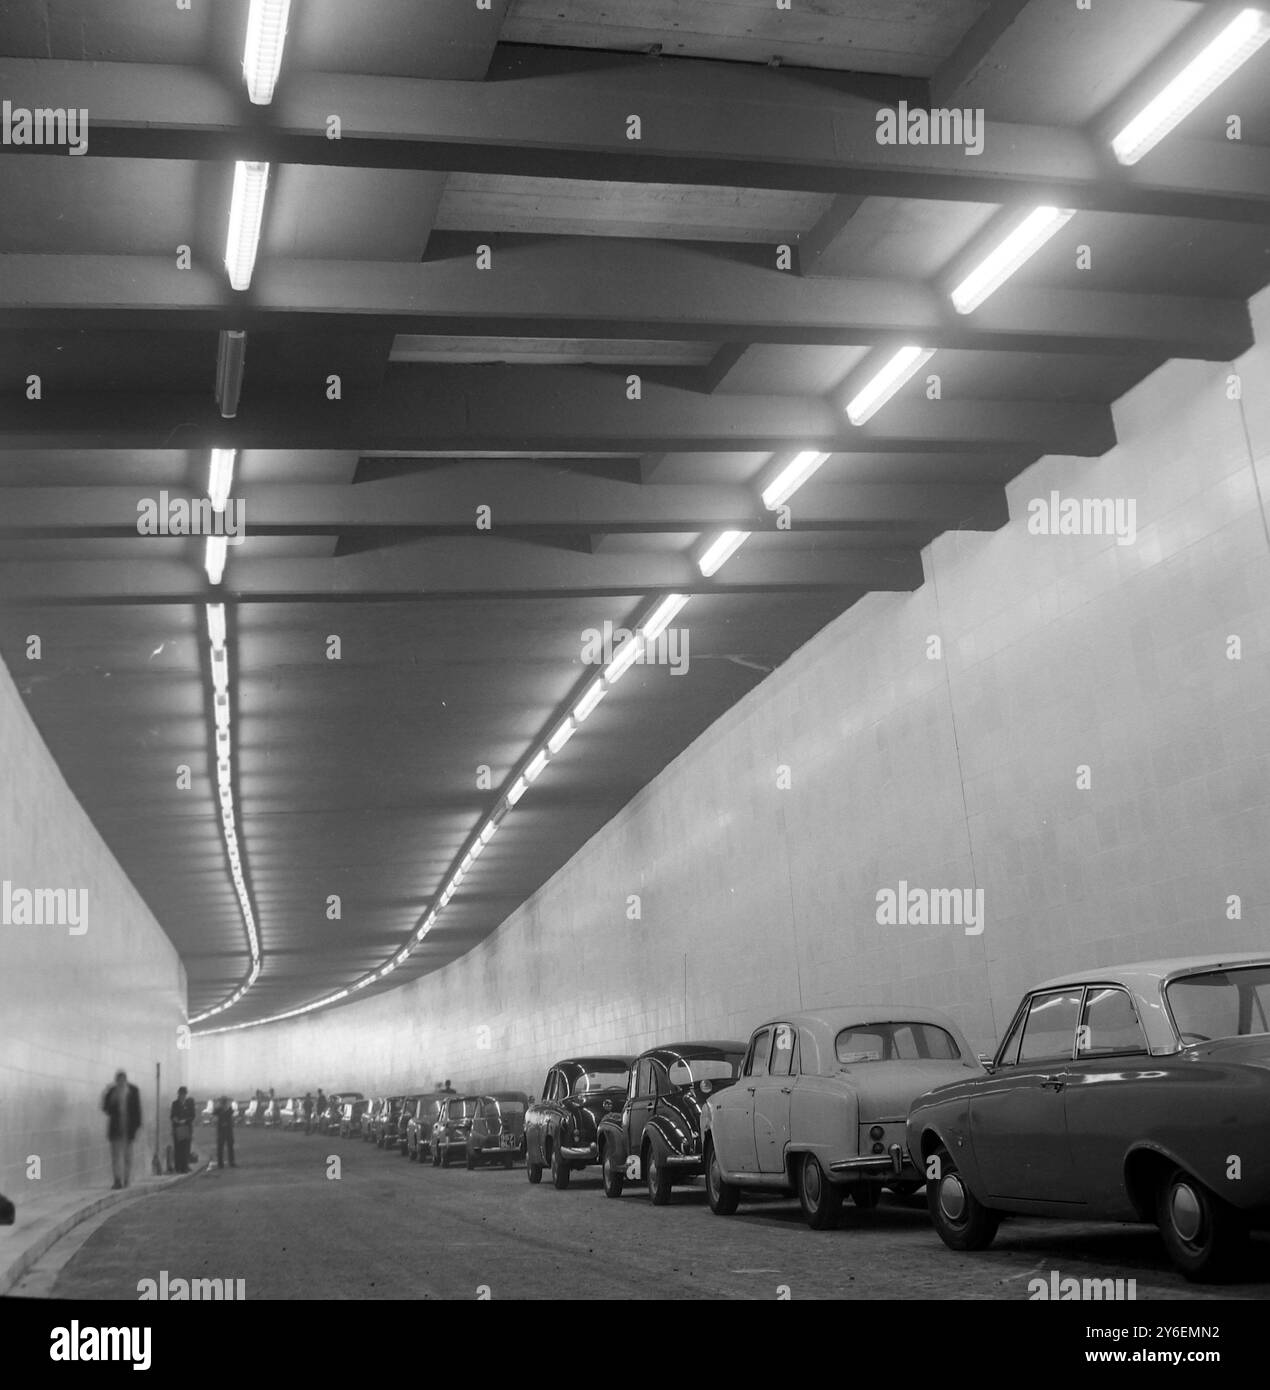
(685, 1163)
(580, 1153)
(894, 1163)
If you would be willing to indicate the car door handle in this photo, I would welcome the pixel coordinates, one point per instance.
(787, 1090)
(1053, 1083)
(750, 1089)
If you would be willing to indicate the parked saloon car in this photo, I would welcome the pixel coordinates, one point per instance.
(1134, 1093)
(382, 1128)
(292, 1113)
(352, 1114)
(659, 1124)
(423, 1115)
(820, 1106)
(451, 1127)
(498, 1129)
(561, 1129)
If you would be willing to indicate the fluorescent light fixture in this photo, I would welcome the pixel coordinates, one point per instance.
(1008, 255)
(791, 478)
(214, 561)
(478, 848)
(231, 362)
(663, 615)
(220, 478)
(594, 693)
(1236, 43)
(535, 766)
(467, 861)
(487, 831)
(220, 710)
(457, 877)
(216, 624)
(516, 791)
(246, 213)
(262, 53)
(562, 735)
(720, 551)
(628, 654)
(220, 672)
(875, 393)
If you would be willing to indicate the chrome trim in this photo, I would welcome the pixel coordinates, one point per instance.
(895, 1161)
(588, 1153)
(683, 1161)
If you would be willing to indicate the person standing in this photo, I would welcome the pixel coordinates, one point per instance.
(182, 1116)
(122, 1103)
(224, 1113)
(321, 1111)
(308, 1112)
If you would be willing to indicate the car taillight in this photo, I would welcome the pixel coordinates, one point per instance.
(877, 1132)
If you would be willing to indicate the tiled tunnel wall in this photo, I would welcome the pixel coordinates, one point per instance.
(1088, 749)
(75, 1005)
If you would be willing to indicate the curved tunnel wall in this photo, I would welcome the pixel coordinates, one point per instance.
(81, 996)
(1058, 652)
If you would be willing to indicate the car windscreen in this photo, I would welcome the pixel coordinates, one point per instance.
(504, 1109)
(895, 1042)
(600, 1081)
(1220, 1003)
(688, 1071)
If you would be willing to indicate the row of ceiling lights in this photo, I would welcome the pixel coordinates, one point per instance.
(1232, 47)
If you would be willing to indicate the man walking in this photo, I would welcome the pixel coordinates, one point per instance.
(224, 1113)
(182, 1115)
(122, 1103)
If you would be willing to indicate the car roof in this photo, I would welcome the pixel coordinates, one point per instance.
(1151, 972)
(857, 1015)
(710, 1048)
(594, 1063)
(505, 1095)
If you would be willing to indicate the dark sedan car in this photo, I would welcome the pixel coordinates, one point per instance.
(561, 1129)
(352, 1116)
(423, 1116)
(451, 1128)
(657, 1133)
(1125, 1093)
(498, 1129)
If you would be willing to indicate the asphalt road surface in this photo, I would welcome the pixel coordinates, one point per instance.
(389, 1228)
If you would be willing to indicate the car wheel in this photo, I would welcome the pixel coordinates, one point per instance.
(657, 1173)
(436, 1154)
(962, 1220)
(533, 1171)
(613, 1173)
(724, 1197)
(865, 1195)
(1202, 1235)
(821, 1200)
(560, 1173)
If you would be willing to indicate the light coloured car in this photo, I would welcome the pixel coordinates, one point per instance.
(821, 1103)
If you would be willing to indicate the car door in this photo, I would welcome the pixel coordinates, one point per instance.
(733, 1108)
(772, 1095)
(536, 1120)
(1018, 1120)
(639, 1103)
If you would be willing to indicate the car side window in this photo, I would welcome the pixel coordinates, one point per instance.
(661, 1082)
(783, 1049)
(1109, 1024)
(644, 1078)
(1049, 1031)
(555, 1087)
(756, 1062)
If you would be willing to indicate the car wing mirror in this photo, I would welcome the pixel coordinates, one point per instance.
(985, 1060)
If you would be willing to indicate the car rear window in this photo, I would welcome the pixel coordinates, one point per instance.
(1220, 1003)
(689, 1070)
(895, 1042)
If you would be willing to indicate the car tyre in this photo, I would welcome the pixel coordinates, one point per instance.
(1202, 1235)
(821, 1200)
(724, 1197)
(657, 1173)
(613, 1173)
(560, 1172)
(533, 1171)
(962, 1220)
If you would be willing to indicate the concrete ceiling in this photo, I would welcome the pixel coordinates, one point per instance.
(506, 387)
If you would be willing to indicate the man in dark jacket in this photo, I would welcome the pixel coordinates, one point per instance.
(122, 1103)
(308, 1113)
(182, 1115)
(224, 1113)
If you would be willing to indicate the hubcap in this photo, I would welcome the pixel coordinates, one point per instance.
(652, 1172)
(811, 1182)
(952, 1198)
(1186, 1212)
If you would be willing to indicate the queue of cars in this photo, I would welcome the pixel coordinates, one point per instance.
(1132, 1093)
